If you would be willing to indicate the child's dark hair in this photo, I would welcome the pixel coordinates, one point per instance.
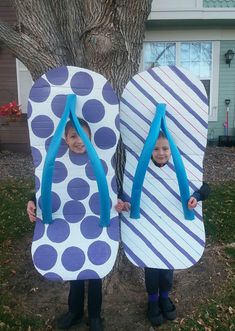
(83, 124)
(161, 135)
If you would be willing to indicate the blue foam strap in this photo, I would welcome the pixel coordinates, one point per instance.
(159, 121)
(180, 173)
(143, 163)
(48, 168)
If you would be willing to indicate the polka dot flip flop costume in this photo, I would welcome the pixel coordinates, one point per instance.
(160, 231)
(72, 242)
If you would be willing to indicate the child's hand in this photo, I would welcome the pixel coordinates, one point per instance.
(126, 206)
(31, 211)
(192, 203)
(122, 206)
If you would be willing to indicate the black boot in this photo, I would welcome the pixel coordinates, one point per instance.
(168, 309)
(96, 324)
(68, 319)
(154, 313)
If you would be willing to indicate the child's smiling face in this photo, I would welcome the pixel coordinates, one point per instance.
(75, 142)
(161, 153)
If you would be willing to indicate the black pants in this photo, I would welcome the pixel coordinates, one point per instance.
(77, 294)
(158, 280)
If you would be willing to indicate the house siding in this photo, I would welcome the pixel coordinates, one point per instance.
(13, 136)
(226, 91)
(8, 84)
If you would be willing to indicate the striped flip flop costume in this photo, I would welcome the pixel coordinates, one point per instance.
(160, 231)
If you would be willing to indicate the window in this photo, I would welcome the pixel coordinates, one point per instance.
(158, 54)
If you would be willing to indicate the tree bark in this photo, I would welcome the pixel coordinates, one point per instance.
(102, 35)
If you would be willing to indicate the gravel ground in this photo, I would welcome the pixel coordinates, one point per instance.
(219, 164)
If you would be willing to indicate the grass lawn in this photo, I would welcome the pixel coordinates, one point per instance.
(219, 214)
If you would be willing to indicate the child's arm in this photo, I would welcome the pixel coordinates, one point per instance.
(200, 195)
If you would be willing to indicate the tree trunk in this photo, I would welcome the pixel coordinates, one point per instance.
(102, 35)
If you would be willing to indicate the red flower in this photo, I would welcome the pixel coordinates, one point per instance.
(11, 109)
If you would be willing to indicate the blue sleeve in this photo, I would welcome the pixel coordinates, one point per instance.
(203, 193)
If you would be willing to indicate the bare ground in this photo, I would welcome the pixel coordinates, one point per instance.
(124, 304)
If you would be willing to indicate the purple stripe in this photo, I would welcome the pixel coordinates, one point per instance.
(163, 182)
(146, 94)
(135, 258)
(177, 97)
(193, 187)
(169, 214)
(148, 243)
(135, 111)
(190, 84)
(149, 97)
(190, 160)
(133, 131)
(196, 142)
(172, 241)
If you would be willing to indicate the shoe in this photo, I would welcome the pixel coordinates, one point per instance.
(96, 324)
(168, 308)
(154, 313)
(67, 320)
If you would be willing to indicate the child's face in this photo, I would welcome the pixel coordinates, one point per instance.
(74, 141)
(161, 153)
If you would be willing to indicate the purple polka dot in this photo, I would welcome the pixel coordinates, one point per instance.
(78, 189)
(94, 203)
(73, 258)
(78, 159)
(62, 149)
(60, 172)
(29, 110)
(82, 83)
(117, 122)
(37, 156)
(38, 230)
(90, 228)
(99, 252)
(37, 184)
(93, 111)
(114, 185)
(113, 229)
(109, 94)
(57, 76)
(52, 276)
(45, 257)
(55, 202)
(42, 126)
(105, 138)
(89, 170)
(88, 274)
(58, 231)
(74, 211)
(40, 90)
(58, 104)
